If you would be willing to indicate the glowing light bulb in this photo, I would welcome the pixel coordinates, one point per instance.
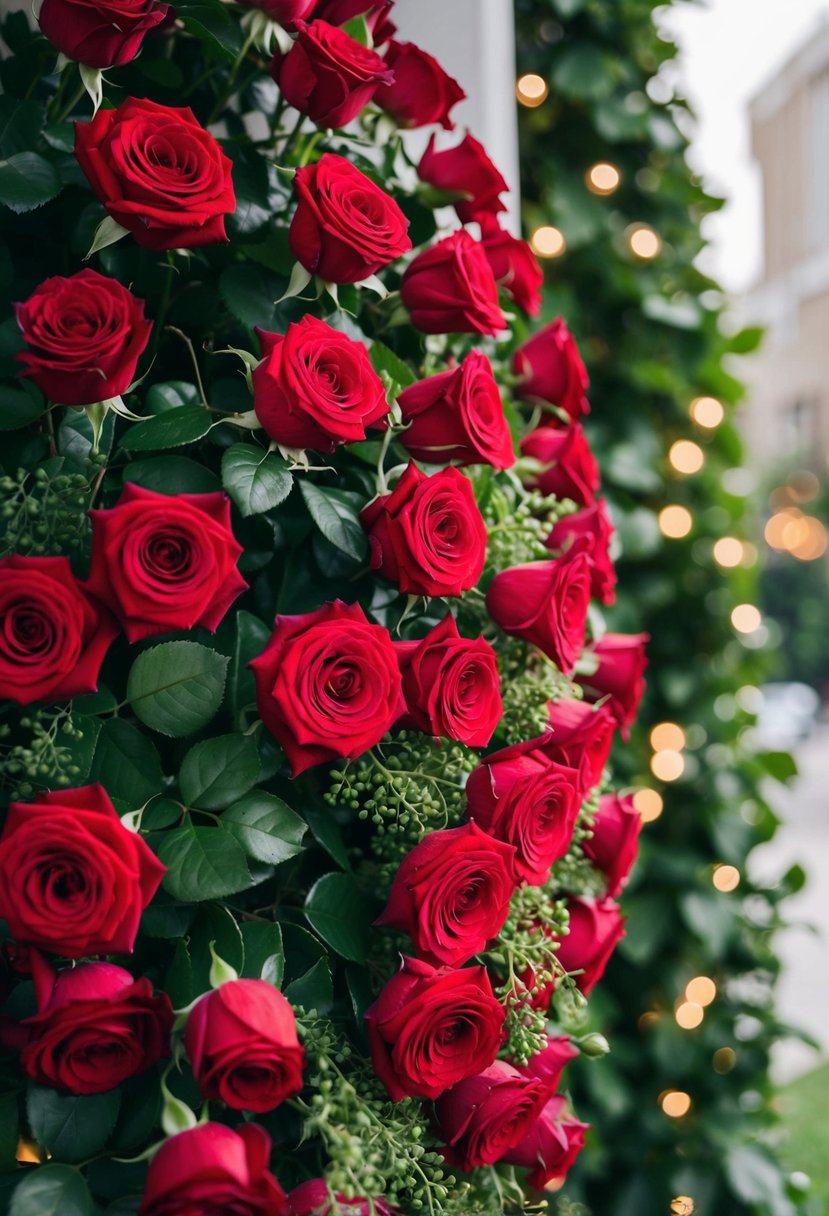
(667, 765)
(728, 552)
(667, 735)
(726, 878)
(675, 1103)
(707, 412)
(649, 804)
(686, 456)
(548, 242)
(531, 90)
(746, 618)
(643, 242)
(701, 989)
(675, 522)
(603, 178)
(689, 1015)
(683, 1205)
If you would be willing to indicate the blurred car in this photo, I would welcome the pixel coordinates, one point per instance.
(788, 714)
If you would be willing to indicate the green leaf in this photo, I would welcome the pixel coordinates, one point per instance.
(20, 404)
(255, 479)
(27, 180)
(780, 765)
(172, 429)
(71, 1128)
(51, 1190)
(214, 924)
(171, 475)
(314, 989)
(210, 22)
(177, 687)
(203, 863)
(327, 832)
(126, 763)
(336, 518)
(583, 70)
(20, 125)
(264, 952)
(337, 909)
(267, 829)
(251, 639)
(171, 395)
(249, 291)
(385, 360)
(357, 28)
(9, 1131)
(178, 978)
(746, 340)
(219, 771)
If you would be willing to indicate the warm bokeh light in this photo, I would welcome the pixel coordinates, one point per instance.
(683, 1205)
(531, 90)
(667, 765)
(726, 878)
(667, 734)
(675, 522)
(643, 242)
(686, 456)
(701, 989)
(803, 485)
(647, 1019)
(548, 242)
(675, 1103)
(603, 178)
(707, 412)
(28, 1152)
(554, 1185)
(724, 1059)
(689, 1015)
(728, 552)
(649, 804)
(746, 618)
(803, 536)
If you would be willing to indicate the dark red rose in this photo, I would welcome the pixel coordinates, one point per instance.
(85, 336)
(450, 685)
(545, 603)
(549, 1064)
(431, 1027)
(242, 1042)
(457, 416)
(614, 845)
(582, 737)
(376, 12)
(313, 1198)
(73, 879)
(100, 33)
(315, 387)
(451, 894)
(345, 228)
(327, 684)
(53, 636)
(164, 563)
(450, 289)
(619, 679)
(328, 75)
(596, 928)
(573, 472)
(421, 92)
(551, 1146)
(284, 12)
(515, 266)
(551, 369)
(98, 1027)
(212, 1170)
(485, 1116)
(427, 535)
(521, 797)
(465, 169)
(592, 531)
(158, 173)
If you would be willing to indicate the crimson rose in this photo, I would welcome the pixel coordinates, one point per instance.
(73, 879)
(340, 12)
(327, 684)
(592, 531)
(486, 1115)
(427, 535)
(551, 1145)
(596, 928)
(514, 265)
(545, 603)
(313, 1198)
(582, 737)
(100, 33)
(344, 228)
(450, 289)
(619, 680)
(85, 335)
(327, 74)
(465, 169)
(431, 1027)
(551, 369)
(158, 173)
(421, 93)
(615, 841)
(284, 12)
(457, 416)
(573, 471)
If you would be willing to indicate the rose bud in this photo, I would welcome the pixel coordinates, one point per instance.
(54, 636)
(614, 845)
(596, 928)
(450, 685)
(432, 1027)
(548, 1065)
(551, 1146)
(451, 894)
(465, 169)
(212, 1169)
(284, 12)
(327, 75)
(327, 684)
(484, 1116)
(340, 12)
(515, 266)
(421, 93)
(73, 879)
(582, 738)
(592, 531)
(521, 797)
(103, 34)
(457, 416)
(427, 535)
(551, 370)
(450, 289)
(573, 471)
(313, 1198)
(243, 1046)
(618, 680)
(97, 1028)
(345, 228)
(158, 173)
(546, 604)
(316, 388)
(165, 562)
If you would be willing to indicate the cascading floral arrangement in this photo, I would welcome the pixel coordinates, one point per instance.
(311, 854)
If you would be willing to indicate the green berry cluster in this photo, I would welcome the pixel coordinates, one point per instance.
(42, 515)
(46, 759)
(529, 681)
(519, 525)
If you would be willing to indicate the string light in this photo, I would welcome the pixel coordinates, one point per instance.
(724, 1059)
(667, 765)
(643, 242)
(728, 552)
(803, 536)
(531, 90)
(675, 1103)
(675, 522)
(686, 456)
(707, 412)
(683, 1205)
(603, 178)
(548, 242)
(746, 618)
(647, 1019)
(667, 734)
(649, 804)
(701, 989)
(726, 878)
(689, 1015)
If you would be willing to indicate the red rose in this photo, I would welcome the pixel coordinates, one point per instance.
(327, 684)
(328, 75)
(619, 678)
(515, 266)
(596, 928)
(421, 92)
(345, 228)
(213, 1170)
(313, 1198)
(164, 563)
(451, 894)
(519, 796)
(100, 33)
(340, 12)
(545, 603)
(98, 1027)
(450, 289)
(427, 535)
(592, 531)
(457, 416)
(484, 1116)
(573, 472)
(73, 879)
(53, 636)
(615, 841)
(465, 169)
(551, 369)
(284, 12)
(548, 1065)
(243, 1046)
(582, 737)
(85, 336)
(431, 1027)
(450, 685)
(158, 173)
(551, 1146)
